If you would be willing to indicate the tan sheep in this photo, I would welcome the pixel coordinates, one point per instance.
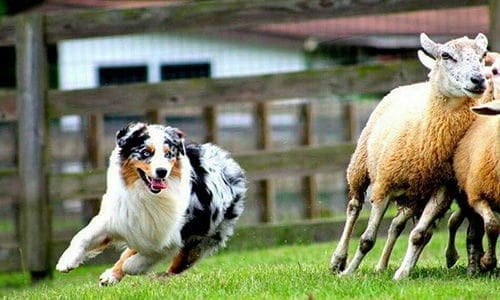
(477, 168)
(475, 228)
(405, 150)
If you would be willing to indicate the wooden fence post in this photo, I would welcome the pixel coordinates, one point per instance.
(210, 119)
(349, 121)
(31, 71)
(155, 117)
(309, 188)
(95, 150)
(265, 188)
(494, 30)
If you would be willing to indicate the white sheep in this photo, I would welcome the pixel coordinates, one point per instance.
(405, 150)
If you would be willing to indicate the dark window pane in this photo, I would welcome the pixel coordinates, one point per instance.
(122, 75)
(185, 71)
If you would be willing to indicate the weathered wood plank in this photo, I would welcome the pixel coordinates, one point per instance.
(299, 161)
(9, 182)
(214, 15)
(265, 187)
(494, 30)
(211, 126)
(33, 164)
(97, 160)
(7, 105)
(309, 187)
(258, 165)
(207, 92)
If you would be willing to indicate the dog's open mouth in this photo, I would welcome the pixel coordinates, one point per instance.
(155, 185)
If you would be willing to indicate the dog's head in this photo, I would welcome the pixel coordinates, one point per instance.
(149, 153)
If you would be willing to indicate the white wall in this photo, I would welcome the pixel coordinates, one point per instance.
(80, 59)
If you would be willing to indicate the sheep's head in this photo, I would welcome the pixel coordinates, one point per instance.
(459, 65)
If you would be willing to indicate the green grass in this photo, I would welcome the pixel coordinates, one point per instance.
(287, 272)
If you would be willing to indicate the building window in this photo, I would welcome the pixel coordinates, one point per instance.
(122, 75)
(185, 71)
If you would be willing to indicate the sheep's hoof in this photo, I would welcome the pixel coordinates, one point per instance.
(401, 274)
(487, 263)
(338, 264)
(451, 257)
(473, 270)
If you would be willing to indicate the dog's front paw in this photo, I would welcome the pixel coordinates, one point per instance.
(109, 277)
(67, 262)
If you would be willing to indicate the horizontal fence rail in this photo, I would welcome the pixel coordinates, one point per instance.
(207, 92)
(257, 164)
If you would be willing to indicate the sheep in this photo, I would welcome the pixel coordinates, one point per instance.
(477, 167)
(474, 230)
(405, 149)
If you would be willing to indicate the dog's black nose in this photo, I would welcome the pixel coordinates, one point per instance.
(161, 172)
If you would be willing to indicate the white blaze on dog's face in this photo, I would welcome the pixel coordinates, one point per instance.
(149, 153)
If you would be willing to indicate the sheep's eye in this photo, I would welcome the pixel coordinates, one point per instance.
(446, 56)
(494, 71)
(146, 153)
(482, 57)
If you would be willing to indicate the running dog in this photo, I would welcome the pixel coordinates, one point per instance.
(164, 198)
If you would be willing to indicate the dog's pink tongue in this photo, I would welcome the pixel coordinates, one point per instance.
(158, 184)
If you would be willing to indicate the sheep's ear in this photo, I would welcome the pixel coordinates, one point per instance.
(426, 60)
(491, 57)
(429, 46)
(481, 40)
(490, 108)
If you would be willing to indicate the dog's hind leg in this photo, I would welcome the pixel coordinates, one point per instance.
(181, 262)
(88, 242)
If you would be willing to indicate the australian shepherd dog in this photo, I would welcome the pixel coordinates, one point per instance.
(164, 199)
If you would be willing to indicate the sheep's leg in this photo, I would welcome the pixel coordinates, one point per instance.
(454, 222)
(339, 257)
(368, 237)
(492, 229)
(475, 233)
(397, 226)
(421, 234)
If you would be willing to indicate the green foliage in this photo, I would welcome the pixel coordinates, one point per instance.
(287, 272)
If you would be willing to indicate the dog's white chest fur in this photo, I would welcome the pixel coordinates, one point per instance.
(145, 221)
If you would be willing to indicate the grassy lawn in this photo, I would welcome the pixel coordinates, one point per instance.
(287, 272)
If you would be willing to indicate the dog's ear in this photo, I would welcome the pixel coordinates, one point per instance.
(179, 133)
(177, 138)
(124, 133)
(182, 148)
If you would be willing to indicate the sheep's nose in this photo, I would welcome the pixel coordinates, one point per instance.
(478, 80)
(161, 172)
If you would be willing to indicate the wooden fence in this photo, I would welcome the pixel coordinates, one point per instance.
(32, 105)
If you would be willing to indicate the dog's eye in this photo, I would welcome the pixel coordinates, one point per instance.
(146, 153)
